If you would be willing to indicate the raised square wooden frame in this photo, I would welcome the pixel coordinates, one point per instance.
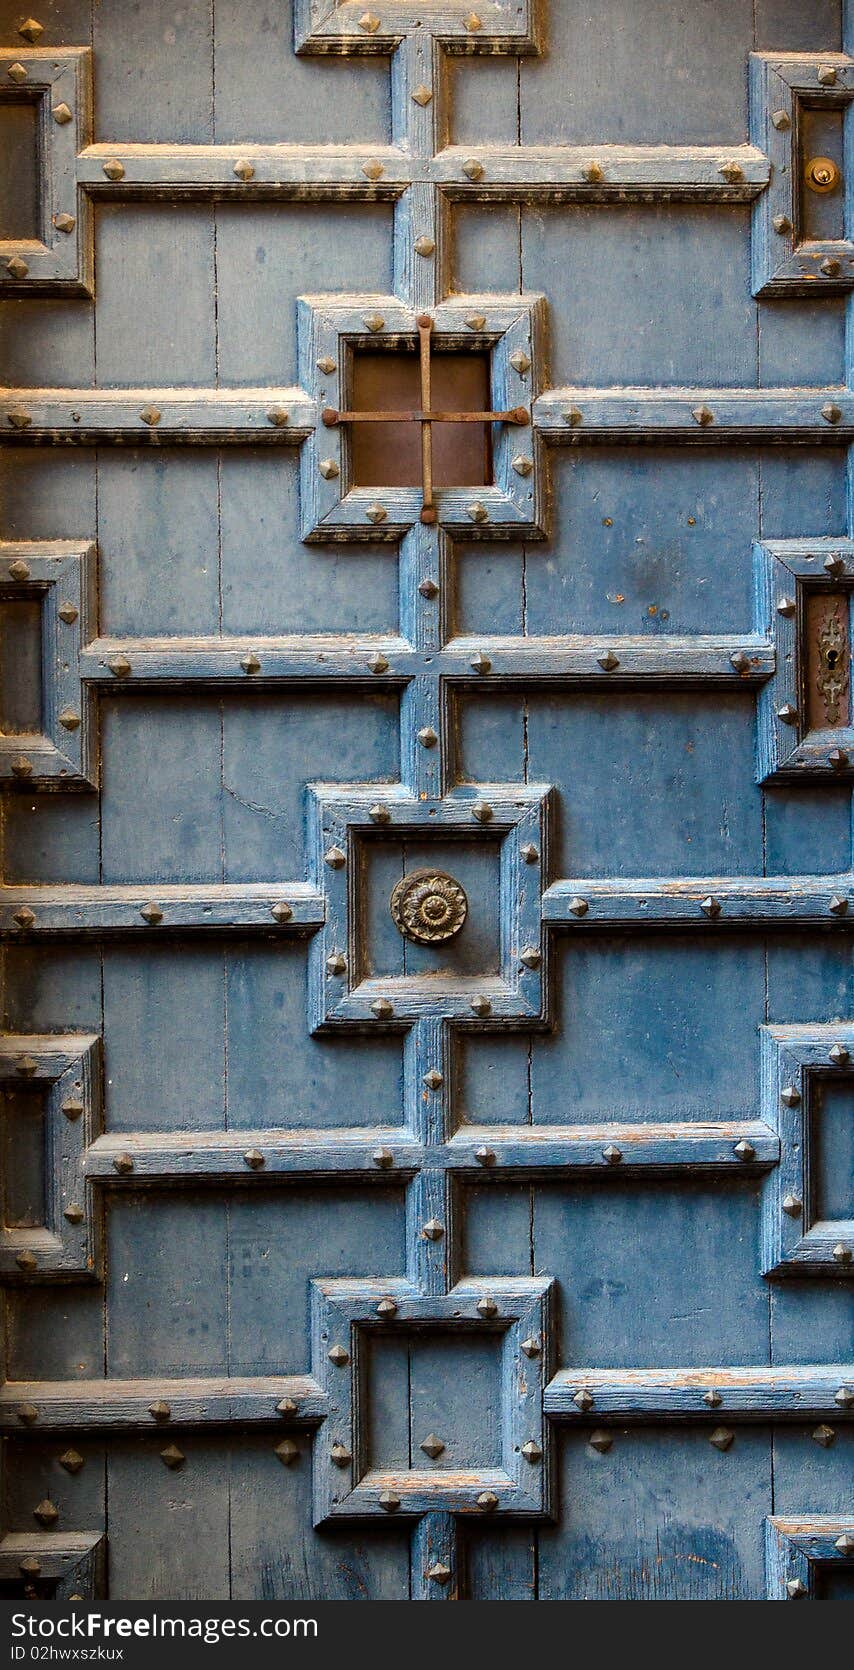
(68, 1067)
(61, 574)
(782, 262)
(58, 262)
(784, 570)
(791, 1243)
(796, 1547)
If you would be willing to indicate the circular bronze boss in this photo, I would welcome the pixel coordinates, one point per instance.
(428, 906)
(822, 175)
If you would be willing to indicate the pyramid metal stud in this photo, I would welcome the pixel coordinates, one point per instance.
(823, 1435)
(792, 1205)
(340, 1456)
(72, 1108)
(522, 465)
(744, 1150)
(838, 905)
(433, 1079)
(473, 169)
(592, 171)
(427, 736)
(151, 415)
(64, 222)
(439, 1572)
(485, 1156)
(790, 1095)
(152, 914)
(583, 1399)
(781, 120)
(287, 1452)
(831, 267)
(531, 956)
(731, 171)
(18, 418)
(27, 1413)
(250, 663)
(254, 1159)
(387, 1308)
(425, 246)
(845, 1543)
(68, 613)
(31, 30)
(26, 1065)
(480, 1006)
(578, 907)
(520, 361)
(832, 413)
(373, 322)
(382, 1009)
(119, 666)
(334, 858)
(243, 169)
(787, 607)
(480, 663)
(17, 73)
(19, 570)
(281, 911)
(17, 268)
(22, 766)
(62, 114)
(612, 1154)
(842, 1254)
(160, 1410)
(47, 1513)
(377, 663)
(432, 1446)
(69, 720)
(827, 75)
(472, 23)
(277, 416)
(839, 1055)
(114, 169)
(782, 225)
(712, 1398)
(600, 1440)
(71, 1460)
(383, 1158)
(486, 1307)
(123, 1164)
(834, 565)
(172, 1457)
(433, 1230)
(26, 1261)
(710, 906)
(703, 416)
(478, 512)
(287, 1406)
(373, 170)
(740, 662)
(422, 95)
(481, 811)
(428, 588)
(379, 814)
(328, 469)
(30, 1567)
(532, 1452)
(388, 1501)
(336, 963)
(529, 853)
(796, 1589)
(376, 513)
(573, 416)
(487, 1501)
(475, 321)
(533, 1346)
(722, 1437)
(24, 917)
(327, 365)
(369, 22)
(74, 1213)
(609, 661)
(844, 1397)
(338, 1355)
(837, 759)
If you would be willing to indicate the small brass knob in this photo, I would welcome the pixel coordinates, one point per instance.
(822, 175)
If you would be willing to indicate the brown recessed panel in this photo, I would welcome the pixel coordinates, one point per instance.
(389, 454)
(828, 660)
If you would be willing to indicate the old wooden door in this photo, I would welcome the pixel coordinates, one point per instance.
(428, 1060)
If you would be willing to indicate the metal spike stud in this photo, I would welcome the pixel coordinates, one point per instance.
(710, 906)
(336, 964)
(64, 222)
(439, 1572)
(73, 1213)
(722, 1437)
(612, 1154)
(287, 1452)
(286, 1406)
(172, 1457)
(340, 1456)
(473, 169)
(422, 95)
(379, 814)
(26, 1261)
(383, 1158)
(533, 1346)
(744, 1150)
(388, 1501)
(578, 907)
(609, 661)
(703, 416)
(844, 1397)
(712, 1398)
(424, 246)
(845, 1543)
(487, 1501)
(429, 589)
(731, 171)
(387, 1308)
(529, 853)
(123, 1164)
(842, 1254)
(432, 1446)
(600, 1440)
(71, 1460)
(62, 114)
(338, 1355)
(433, 1230)
(480, 663)
(837, 759)
(838, 905)
(382, 1009)
(27, 1413)
(792, 1205)
(481, 811)
(475, 321)
(823, 1435)
(480, 1006)
(17, 73)
(17, 267)
(151, 415)
(243, 169)
(119, 666)
(254, 1159)
(796, 1589)
(790, 1095)
(740, 662)
(377, 663)
(373, 170)
(31, 29)
(485, 1156)
(478, 512)
(583, 1399)
(24, 917)
(532, 1452)
(281, 911)
(160, 1411)
(487, 1308)
(47, 1513)
(427, 736)
(335, 858)
(433, 1079)
(522, 465)
(839, 1055)
(832, 413)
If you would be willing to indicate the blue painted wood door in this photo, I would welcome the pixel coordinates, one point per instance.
(499, 1244)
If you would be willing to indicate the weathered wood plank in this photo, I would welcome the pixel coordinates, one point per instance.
(797, 1393)
(117, 909)
(128, 1403)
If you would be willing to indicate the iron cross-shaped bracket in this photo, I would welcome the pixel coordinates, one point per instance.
(426, 417)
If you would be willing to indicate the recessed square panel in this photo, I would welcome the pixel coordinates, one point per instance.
(417, 1415)
(19, 142)
(831, 1148)
(389, 454)
(429, 907)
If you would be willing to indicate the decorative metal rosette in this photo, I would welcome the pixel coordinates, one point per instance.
(428, 906)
